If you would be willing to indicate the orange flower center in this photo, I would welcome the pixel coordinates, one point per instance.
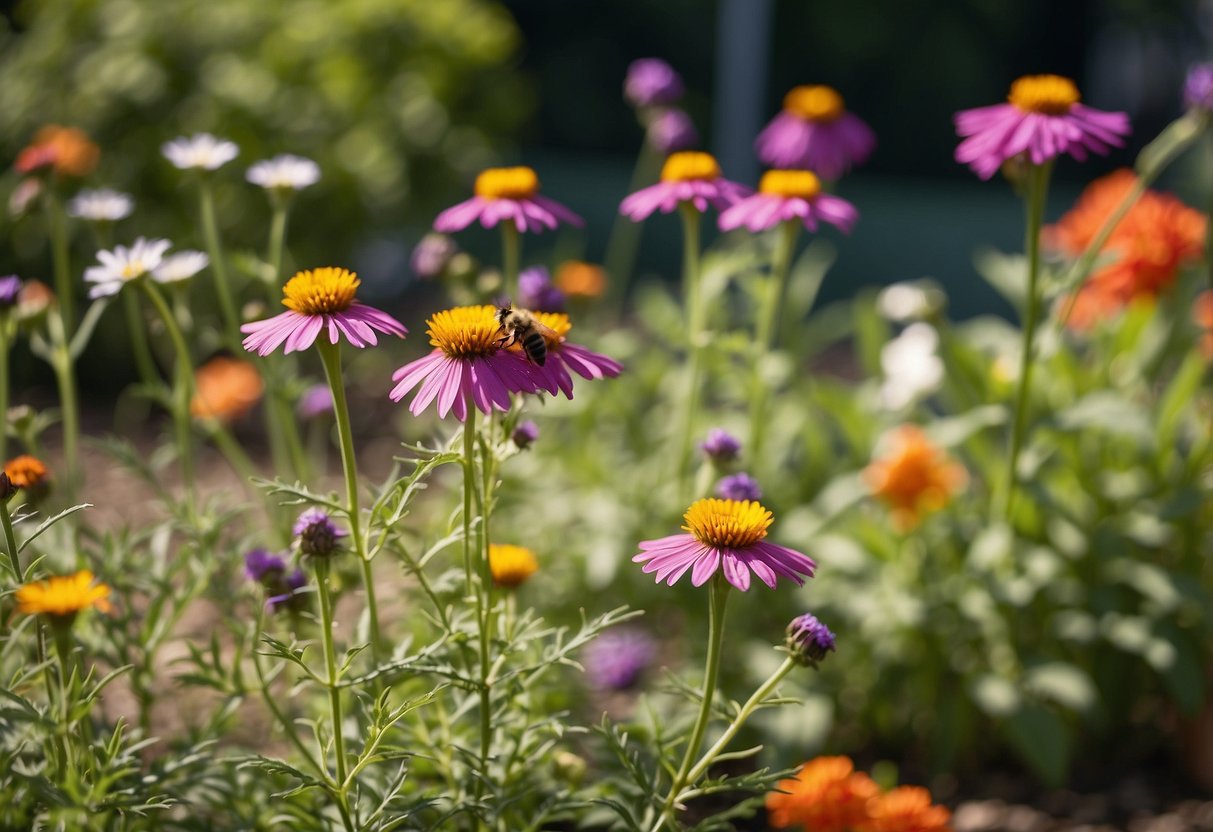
(465, 331)
(732, 524)
(814, 102)
(1051, 95)
(688, 166)
(790, 183)
(320, 291)
(507, 183)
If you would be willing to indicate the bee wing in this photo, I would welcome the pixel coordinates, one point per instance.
(547, 332)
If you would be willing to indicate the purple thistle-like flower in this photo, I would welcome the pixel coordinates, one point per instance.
(688, 176)
(315, 402)
(525, 434)
(720, 445)
(259, 563)
(789, 195)
(616, 659)
(431, 255)
(651, 82)
(507, 194)
(738, 487)
(815, 132)
(10, 290)
(285, 588)
(1198, 88)
(808, 639)
(1041, 120)
(317, 535)
(536, 291)
(669, 131)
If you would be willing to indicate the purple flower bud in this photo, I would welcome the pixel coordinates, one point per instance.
(536, 292)
(808, 639)
(616, 659)
(738, 487)
(10, 289)
(260, 563)
(525, 434)
(315, 402)
(720, 445)
(431, 255)
(651, 81)
(318, 536)
(1198, 88)
(285, 588)
(670, 131)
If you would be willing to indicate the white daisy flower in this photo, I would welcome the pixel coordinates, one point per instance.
(912, 369)
(104, 205)
(284, 173)
(124, 264)
(180, 266)
(201, 150)
(909, 301)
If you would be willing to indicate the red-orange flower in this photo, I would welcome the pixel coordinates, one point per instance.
(1151, 242)
(827, 795)
(915, 477)
(26, 472)
(906, 809)
(66, 150)
(578, 279)
(225, 389)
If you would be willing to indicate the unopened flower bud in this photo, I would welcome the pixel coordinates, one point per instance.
(738, 487)
(318, 536)
(808, 640)
(720, 446)
(525, 434)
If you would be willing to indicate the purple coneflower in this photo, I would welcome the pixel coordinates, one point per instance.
(738, 487)
(318, 536)
(317, 299)
(507, 194)
(536, 291)
(815, 132)
(688, 176)
(671, 130)
(727, 535)
(1043, 119)
(789, 195)
(615, 660)
(563, 356)
(431, 256)
(720, 445)
(808, 640)
(651, 82)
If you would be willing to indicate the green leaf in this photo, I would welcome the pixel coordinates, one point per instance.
(1042, 739)
(1109, 412)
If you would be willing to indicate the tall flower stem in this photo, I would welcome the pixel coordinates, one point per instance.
(1037, 192)
(767, 328)
(718, 597)
(330, 356)
(10, 542)
(183, 384)
(144, 363)
(56, 226)
(4, 376)
(469, 490)
(486, 605)
(210, 231)
(333, 677)
(64, 367)
(620, 259)
(511, 257)
(691, 293)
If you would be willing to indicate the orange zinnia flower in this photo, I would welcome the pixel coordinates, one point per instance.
(225, 389)
(914, 477)
(827, 795)
(26, 472)
(578, 279)
(1150, 243)
(62, 596)
(67, 150)
(906, 809)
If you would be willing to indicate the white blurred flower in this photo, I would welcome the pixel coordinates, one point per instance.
(284, 173)
(201, 150)
(912, 369)
(104, 205)
(909, 301)
(180, 266)
(123, 264)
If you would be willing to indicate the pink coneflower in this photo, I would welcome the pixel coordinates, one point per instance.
(467, 364)
(563, 356)
(816, 132)
(687, 176)
(507, 194)
(728, 535)
(319, 299)
(1042, 118)
(789, 195)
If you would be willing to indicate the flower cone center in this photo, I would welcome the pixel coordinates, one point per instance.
(688, 166)
(814, 102)
(320, 291)
(465, 331)
(790, 183)
(507, 183)
(731, 524)
(1048, 94)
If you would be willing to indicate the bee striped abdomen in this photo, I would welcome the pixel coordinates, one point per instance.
(536, 348)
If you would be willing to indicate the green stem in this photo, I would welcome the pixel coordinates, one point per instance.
(486, 605)
(231, 450)
(719, 596)
(277, 243)
(691, 294)
(1037, 192)
(210, 231)
(139, 345)
(4, 376)
(330, 356)
(332, 674)
(183, 384)
(469, 488)
(767, 330)
(511, 257)
(622, 245)
(65, 377)
(10, 542)
(56, 221)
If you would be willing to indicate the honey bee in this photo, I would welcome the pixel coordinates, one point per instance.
(521, 327)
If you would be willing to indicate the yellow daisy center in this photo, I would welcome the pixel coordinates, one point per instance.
(465, 331)
(320, 291)
(732, 524)
(63, 595)
(814, 102)
(507, 183)
(132, 270)
(1048, 94)
(511, 565)
(790, 183)
(689, 165)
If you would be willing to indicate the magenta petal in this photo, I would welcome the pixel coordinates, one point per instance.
(735, 571)
(705, 566)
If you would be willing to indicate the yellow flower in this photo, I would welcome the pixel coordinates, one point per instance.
(62, 596)
(511, 565)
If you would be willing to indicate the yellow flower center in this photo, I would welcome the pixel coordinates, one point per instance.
(558, 322)
(507, 183)
(511, 565)
(25, 471)
(465, 331)
(790, 183)
(814, 103)
(689, 165)
(1048, 94)
(320, 291)
(732, 524)
(133, 270)
(63, 595)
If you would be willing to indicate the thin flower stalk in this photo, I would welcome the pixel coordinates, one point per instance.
(145, 365)
(691, 292)
(333, 679)
(4, 377)
(767, 329)
(183, 383)
(63, 363)
(214, 249)
(56, 226)
(10, 542)
(511, 257)
(624, 241)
